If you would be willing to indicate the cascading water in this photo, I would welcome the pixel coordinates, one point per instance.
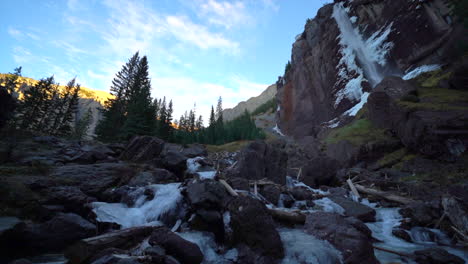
(362, 59)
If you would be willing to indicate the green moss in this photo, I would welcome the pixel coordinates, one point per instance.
(392, 158)
(432, 79)
(358, 132)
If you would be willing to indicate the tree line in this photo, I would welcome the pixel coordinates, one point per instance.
(133, 111)
(42, 108)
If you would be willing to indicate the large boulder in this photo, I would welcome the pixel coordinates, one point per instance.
(70, 197)
(354, 209)
(271, 193)
(195, 150)
(184, 251)
(143, 148)
(349, 235)
(207, 194)
(253, 226)
(94, 179)
(261, 160)
(154, 176)
(436, 256)
(53, 235)
(174, 161)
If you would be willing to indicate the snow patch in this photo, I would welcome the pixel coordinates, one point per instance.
(205, 241)
(329, 206)
(207, 174)
(277, 130)
(420, 70)
(355, 109)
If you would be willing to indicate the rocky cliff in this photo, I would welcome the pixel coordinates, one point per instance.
(251, 104)
(349, 47)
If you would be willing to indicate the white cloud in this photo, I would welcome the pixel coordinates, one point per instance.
(226, 14)
(15, 32)
(21, 55)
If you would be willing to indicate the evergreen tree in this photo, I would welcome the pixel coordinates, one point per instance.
(212, 127)
(115, 109)
(82, 125)
(33, 103)
(71, 109)
(8, 103)
(219, 122)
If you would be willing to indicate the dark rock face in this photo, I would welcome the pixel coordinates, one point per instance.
(184, 251)
(174, 161)
(55, 234)
(253, 226)
(261, 160)
(94, 179)
(143, 148)
(195, 150)
(354, 209)
(72, 198)
(308, 92)
(271, 193)
(208, 194)
(436, 256)
(155, 176)
(349, 235)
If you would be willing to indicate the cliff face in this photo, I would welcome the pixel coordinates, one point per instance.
(348, 48)
(251, 104)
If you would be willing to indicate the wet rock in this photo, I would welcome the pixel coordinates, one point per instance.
(94, 179)
(55, 234)
(143, 148)
(253, 226)
(421, 214)
(170, 260)
(360, 211)
(174, 161)
(403, 234)
(207, 194)
(184, 251)
(157, 253)
(209, 220)
(348, 235)
(70, 197)
(301, 193)
(238, 183)
(457, 212)
(195, 150)
(287, 199)
(271, 193)
(88, 157)
(249, 256)
(155, 176)
(436, 256)
(261, 160)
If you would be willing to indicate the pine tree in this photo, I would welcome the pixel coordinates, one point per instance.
(82, 125)
(8, 103)
(219, 122)
(33, 103)
(115, 109)
(71, 109)
(212, 127)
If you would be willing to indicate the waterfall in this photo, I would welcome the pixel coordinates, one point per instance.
(362, 59)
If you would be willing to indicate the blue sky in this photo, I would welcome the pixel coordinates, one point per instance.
(198, 50)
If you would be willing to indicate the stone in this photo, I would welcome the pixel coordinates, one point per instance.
(301, 193)
(348, 235)
(175, 162)
(403, 234)
(253, 226)
(71, 197)
(195, 150)
(207, 194)
(154, 176)
(238, 183)
(271, 193)
(354, 209)
(436, 256)
(184, 251)
(143, 149)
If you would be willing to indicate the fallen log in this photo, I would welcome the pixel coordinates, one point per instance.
(353, 188)
(393, 252)
(290, 217)
(228, 188)
(384, 195)
(122, 239)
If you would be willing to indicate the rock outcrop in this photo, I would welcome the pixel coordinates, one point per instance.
(251, 104)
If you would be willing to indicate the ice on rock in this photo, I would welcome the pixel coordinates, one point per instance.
(303, 248)
(420, 70)
(277, 130)
(205, 241)
(193, 165)
(167, 199)
(355, 109)
(329, 206)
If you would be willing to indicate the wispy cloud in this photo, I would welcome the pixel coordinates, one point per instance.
(226, 14)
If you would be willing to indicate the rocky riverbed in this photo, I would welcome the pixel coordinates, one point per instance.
(155, 202)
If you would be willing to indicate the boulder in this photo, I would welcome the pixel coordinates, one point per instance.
(301, 193)
(436, 256)
(348, 235)
(194, 150)
(253, 226)
(154, 176)
(94, 179)
(261, 160)
(354, 209)
(403, 234)
(174, 161)
(70, 197)
(271, 193)
(238, 183)
(420, 213)
(53, 235)
(209, 220)
(143, 148)
(156, 253)
(207, 194)
(184, 251)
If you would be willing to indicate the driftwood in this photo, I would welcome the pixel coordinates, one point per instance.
(291, 217)
(385, 195)
(353, 188)
(393, 252)
(123, 239)
(228, 188)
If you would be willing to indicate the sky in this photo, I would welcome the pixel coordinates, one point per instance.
(197, 50)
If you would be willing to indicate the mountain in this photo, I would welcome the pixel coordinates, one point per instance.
(251, 104)
(90, 99)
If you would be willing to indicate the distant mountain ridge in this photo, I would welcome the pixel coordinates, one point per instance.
(251, 104)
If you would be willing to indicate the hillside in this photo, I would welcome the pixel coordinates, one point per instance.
(251, 104)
